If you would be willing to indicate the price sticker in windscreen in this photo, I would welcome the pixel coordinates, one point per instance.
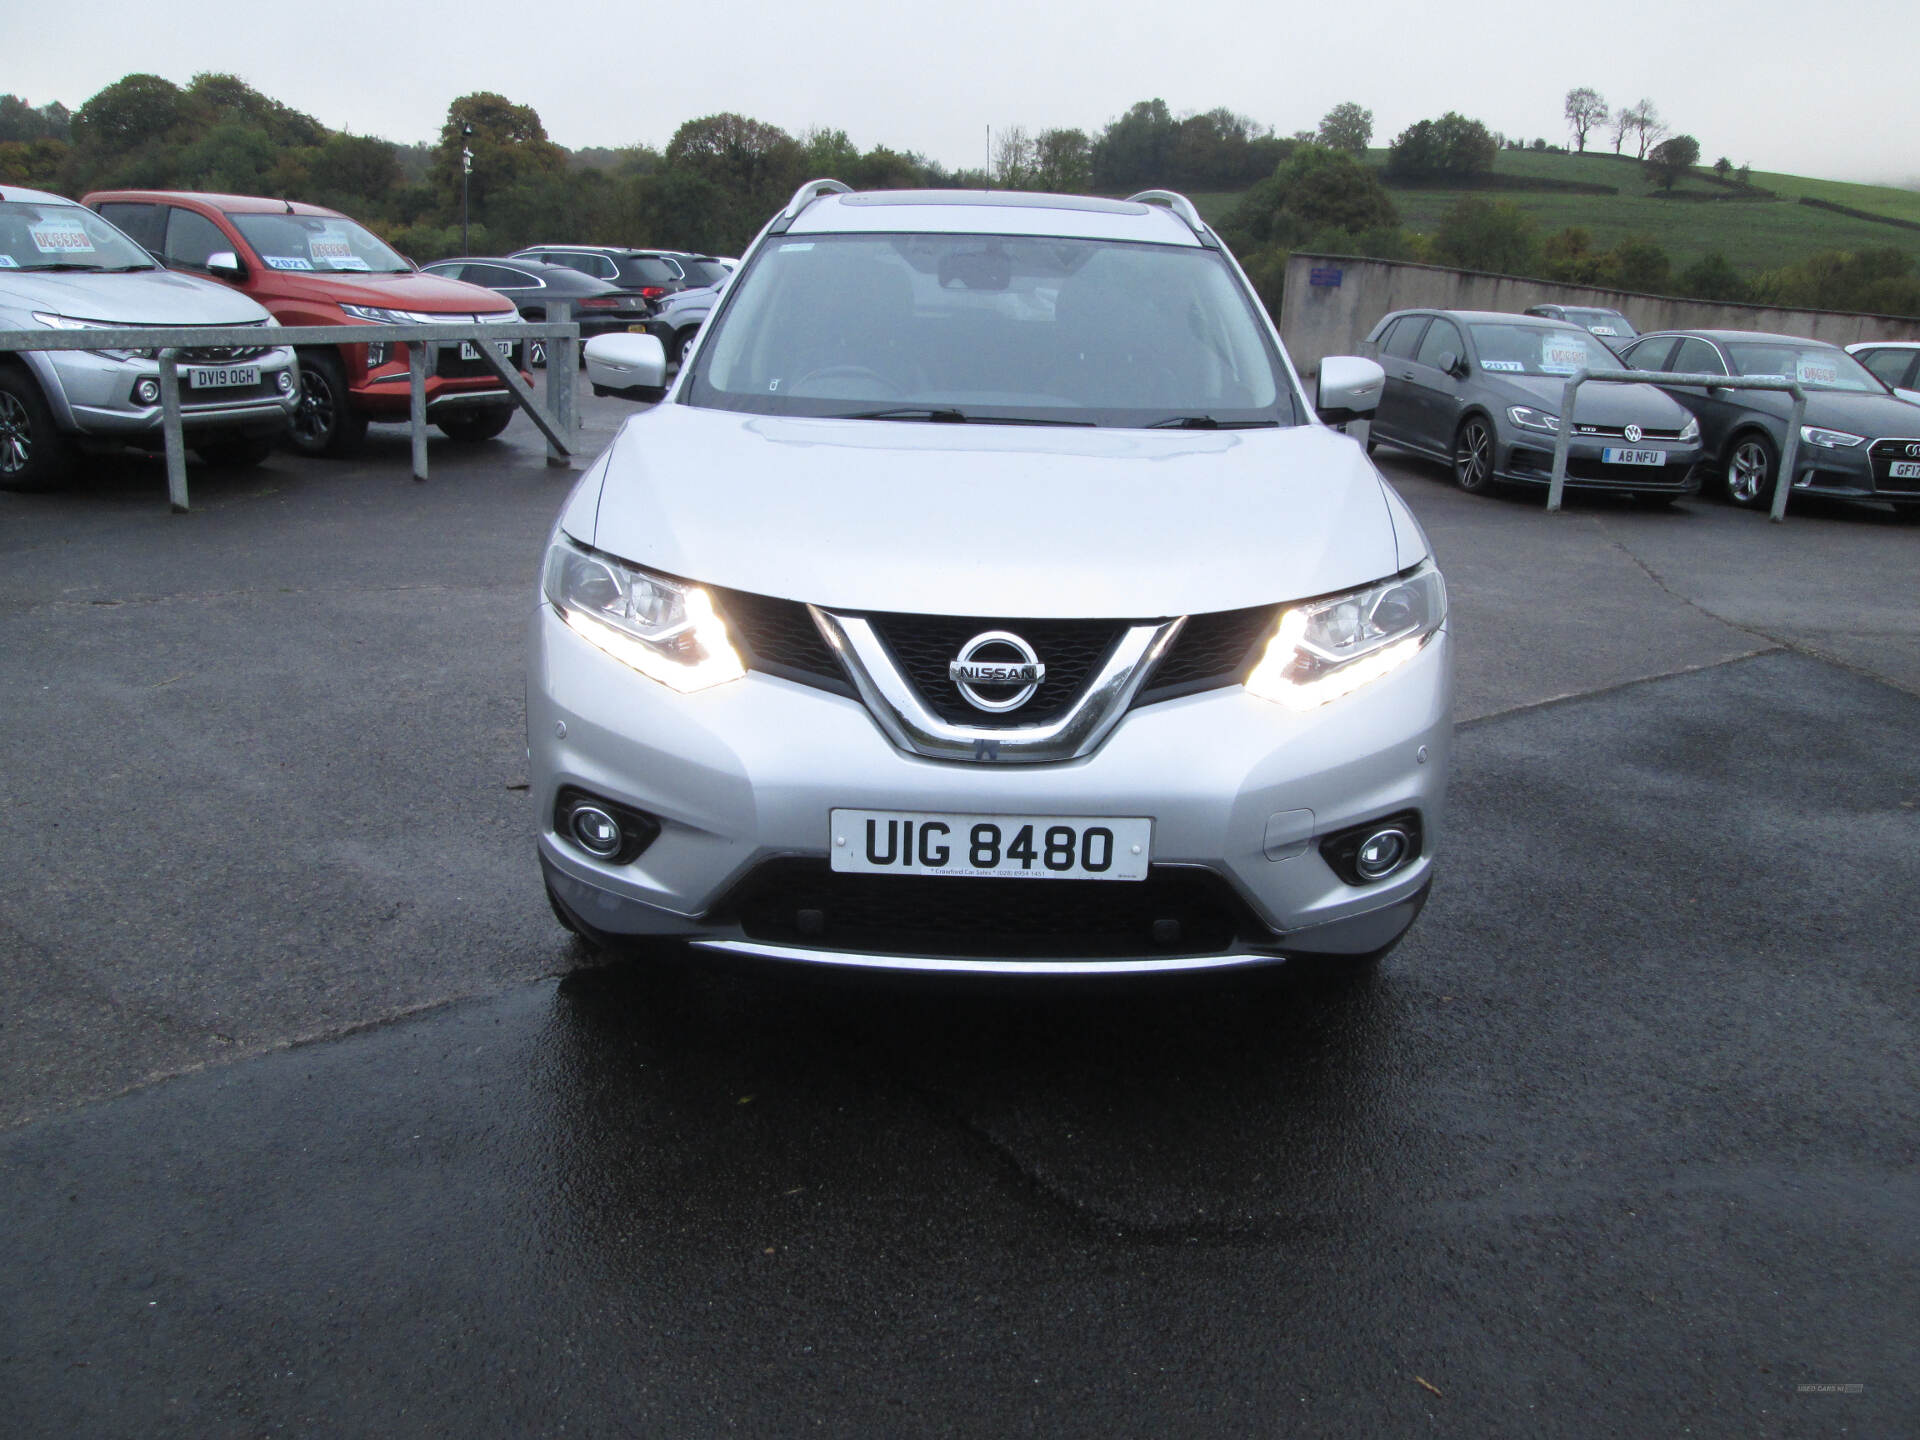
(1816, 370)
(332, 249)
(61, 237)
(1559, 356)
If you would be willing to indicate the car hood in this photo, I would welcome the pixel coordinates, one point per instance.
(989, 519)
(429, 294)
(1598, 402)
(1870, 415)
(140, 297)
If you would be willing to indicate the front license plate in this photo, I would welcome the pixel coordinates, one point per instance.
(1612, 456)
(502, 348)
(1038, 847)
(212, 377)
(1904, 470)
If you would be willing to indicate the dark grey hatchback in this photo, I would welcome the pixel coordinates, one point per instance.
(1857, 440)
(1481, 390)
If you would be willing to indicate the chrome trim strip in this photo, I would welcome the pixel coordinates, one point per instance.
(932, 964)
(899, 711)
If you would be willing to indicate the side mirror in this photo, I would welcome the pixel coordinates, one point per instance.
(226, 265)
(1450, 364)
(1349, 389)
(634, 366)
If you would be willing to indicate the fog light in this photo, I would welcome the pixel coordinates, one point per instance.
(376, 354)
(284, 380)
(147, 392)
(1381, 853)
(597, 832)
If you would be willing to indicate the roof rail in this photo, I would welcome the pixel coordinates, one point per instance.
(1181, 206)
(805, 196)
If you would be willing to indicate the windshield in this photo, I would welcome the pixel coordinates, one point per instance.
(704, 272)
(324, 244)
(1538, 350)
(38, 236)
(986, 327)
(1602, 322)
(646, 270)
(1818, 367)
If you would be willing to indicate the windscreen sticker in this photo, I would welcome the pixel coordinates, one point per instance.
(333, 249)
(1816, 370)
(287, 262)
(7, 262)
(1560, 357)
(1603, 330)
(1509, 365)
(61, 237)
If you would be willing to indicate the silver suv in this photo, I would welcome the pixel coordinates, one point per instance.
(988, 595)
(64, 268)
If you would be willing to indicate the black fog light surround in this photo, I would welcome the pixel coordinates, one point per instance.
(1367, 854)
(602, 829)
(147, 392)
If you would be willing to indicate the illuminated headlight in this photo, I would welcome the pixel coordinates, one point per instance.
(1829, 439)
(1328, 648)
(1528, 418)
(1691, 430)
(666, 629)
(67, 322)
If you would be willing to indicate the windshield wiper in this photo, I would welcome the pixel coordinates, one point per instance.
(947, 415)
(1207, 422)
(65, 265)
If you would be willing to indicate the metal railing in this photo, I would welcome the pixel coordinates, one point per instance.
(1789, 452)
(557, 420)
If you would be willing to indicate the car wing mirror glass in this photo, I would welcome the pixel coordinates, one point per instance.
(226, 265)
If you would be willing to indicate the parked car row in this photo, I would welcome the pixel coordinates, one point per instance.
(1482, 391)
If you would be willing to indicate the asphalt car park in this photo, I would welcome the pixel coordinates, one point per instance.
(317, 1122)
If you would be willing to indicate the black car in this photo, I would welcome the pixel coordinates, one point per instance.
(1614, 330)
(1857, 440)
(598, 307)
(651, 274)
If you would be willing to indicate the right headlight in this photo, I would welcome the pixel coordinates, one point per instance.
(1328, 648)
(1528, 418)
(666, 629)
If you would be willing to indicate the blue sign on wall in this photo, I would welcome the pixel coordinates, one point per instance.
(1329, 278)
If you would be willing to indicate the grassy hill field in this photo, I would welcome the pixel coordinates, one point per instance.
(1755, 234)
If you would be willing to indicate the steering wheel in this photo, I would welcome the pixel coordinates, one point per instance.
(850, 372)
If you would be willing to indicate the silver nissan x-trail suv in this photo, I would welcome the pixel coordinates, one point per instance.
(987, 595)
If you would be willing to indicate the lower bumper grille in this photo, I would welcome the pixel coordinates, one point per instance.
(805, 902)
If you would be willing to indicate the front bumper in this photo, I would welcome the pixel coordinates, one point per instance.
(95, 397)
(741, 779)
(1528, 460)
(1852, 473)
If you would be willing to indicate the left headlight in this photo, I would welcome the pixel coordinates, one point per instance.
(666, 629)
(67, 322)
(1691, 430)
(1829, 439)
(1528, 418)
(1328, 648)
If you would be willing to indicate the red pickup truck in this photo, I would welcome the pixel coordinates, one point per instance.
(313, 266)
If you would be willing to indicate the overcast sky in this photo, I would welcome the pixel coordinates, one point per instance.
(1759, 81)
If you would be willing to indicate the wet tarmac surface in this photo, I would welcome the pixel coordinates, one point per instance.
(1620, 1142)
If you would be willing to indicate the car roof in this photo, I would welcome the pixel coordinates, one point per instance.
(1491, 317)
(1720, 337)
(33, 197)
(596, 250)
(992, 212)
(232, 204)
(1883, 345)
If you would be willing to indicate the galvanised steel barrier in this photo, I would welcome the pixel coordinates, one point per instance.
(1789, 453)
(558, 421)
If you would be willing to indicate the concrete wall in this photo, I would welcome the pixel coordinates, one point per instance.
(1318, 320)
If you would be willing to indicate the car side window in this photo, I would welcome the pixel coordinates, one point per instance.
(1442, 336)
(1890, 366)
(142, 222)
(192, 238)
(1404, 339)
(1649, 354)
(444, 271)
(1697, 357)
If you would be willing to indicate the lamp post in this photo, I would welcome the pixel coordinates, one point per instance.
(466, 169)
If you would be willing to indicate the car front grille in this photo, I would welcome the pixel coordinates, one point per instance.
(1619, 432)
(1883, 455)
(798, 901)
(778, 637)
(223, 354)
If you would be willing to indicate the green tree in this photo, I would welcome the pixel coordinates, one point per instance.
(1481, 234)
(1585, 108)
(131, 112)
(1569, 257)
(355, 171)
(1452, 146)
(1347, 127)
(1063, 161)
(1713, 278)
(1673, 158)
(1722, 166)
(1316, 189)
(509, 145)
(1136, 149)
(235, 157)
(1637, 263)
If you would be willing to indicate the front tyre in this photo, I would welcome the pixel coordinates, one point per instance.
(34, 455)
(470, 427)
(325, 422)
(1473, 456)
(1750, 470)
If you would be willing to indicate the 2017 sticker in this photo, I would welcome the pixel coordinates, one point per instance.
(1508, 365)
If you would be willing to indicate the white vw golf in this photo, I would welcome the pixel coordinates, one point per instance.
(987, 595)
